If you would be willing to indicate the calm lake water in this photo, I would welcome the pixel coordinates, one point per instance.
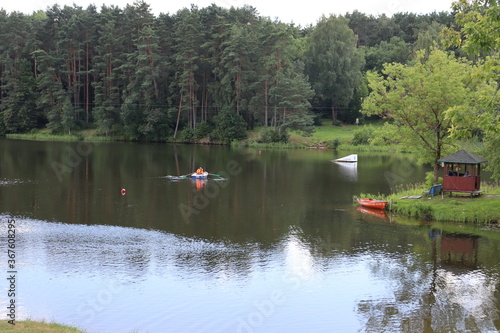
(273, 243)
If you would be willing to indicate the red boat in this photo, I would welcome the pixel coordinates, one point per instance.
(372, 203)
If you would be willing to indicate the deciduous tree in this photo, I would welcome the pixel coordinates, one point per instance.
(418, 99)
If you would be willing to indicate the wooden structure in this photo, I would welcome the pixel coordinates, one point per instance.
(462, 172)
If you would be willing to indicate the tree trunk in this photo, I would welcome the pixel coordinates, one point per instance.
(334, 114)
(178, 117)
(87, 83)
(266, 105)
(436, 172)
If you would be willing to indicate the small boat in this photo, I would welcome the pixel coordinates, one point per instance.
(372, 203)
(202, 175)
(348, 159)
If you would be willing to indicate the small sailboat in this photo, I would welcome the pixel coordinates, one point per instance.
(353, 158)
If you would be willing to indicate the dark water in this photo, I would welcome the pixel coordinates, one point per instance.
(273, 243)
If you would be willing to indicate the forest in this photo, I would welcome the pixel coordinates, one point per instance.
(201, 72)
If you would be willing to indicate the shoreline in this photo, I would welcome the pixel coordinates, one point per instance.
(327, 139)
(483, 209)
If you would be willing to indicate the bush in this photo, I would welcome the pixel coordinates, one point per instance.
(272, 135)
(383, 136)
(362, 136)
(202, 130)
(187, 135)
(318, 121)
(429, 179)
(229, 126)
(335, 143)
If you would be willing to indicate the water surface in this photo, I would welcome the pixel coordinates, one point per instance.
(273, 243)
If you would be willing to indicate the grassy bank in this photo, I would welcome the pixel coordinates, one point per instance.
(326, 136)
(29, 326)
(46, 135)
(456, 208)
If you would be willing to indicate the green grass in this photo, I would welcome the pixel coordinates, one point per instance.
(329, 132)
(255, 144)
(370, 148)
(456, 208)
(29, 326)
(325, 135)
(43, 136)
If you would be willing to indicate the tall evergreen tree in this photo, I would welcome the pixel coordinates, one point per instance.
(333, 63)
(19, 108)
(109, 56)
(188, 39)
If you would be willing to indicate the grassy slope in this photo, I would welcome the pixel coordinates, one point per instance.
(35, 327)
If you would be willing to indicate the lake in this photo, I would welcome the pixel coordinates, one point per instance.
(271, 242)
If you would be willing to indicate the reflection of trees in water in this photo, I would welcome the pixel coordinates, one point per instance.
(430, 298)
(465, 301)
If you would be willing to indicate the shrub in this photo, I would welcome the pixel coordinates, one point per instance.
(187, 135)
(202, 130)
(334, 144)
(429, 179)
(362, 136)
(273, 135)
(229, 126)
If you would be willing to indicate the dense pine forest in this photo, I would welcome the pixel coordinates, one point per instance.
(201, 72)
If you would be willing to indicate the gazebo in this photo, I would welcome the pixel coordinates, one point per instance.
(462, 172)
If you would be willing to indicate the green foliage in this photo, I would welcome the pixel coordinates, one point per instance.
(202, 130)
(385, 135)
(478, 22)
(229, 126)
(362, 136)
(122, 71)
(420, 99)
(187, 135)
(429, 180)
(20, 112)
(333, 62)
(492, 151)
(273, 135)
(335, 143)
(393, 51)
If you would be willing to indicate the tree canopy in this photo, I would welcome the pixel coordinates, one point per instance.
(419, 99)
(476, 32)
(125, 72)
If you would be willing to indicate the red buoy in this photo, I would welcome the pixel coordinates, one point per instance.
(123, 191)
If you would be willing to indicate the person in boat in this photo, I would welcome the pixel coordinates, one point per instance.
(200, 171)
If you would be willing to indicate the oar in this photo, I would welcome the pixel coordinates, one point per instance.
(184, 176)
(213, 174)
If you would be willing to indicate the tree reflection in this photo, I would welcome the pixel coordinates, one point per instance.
(447, 295)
